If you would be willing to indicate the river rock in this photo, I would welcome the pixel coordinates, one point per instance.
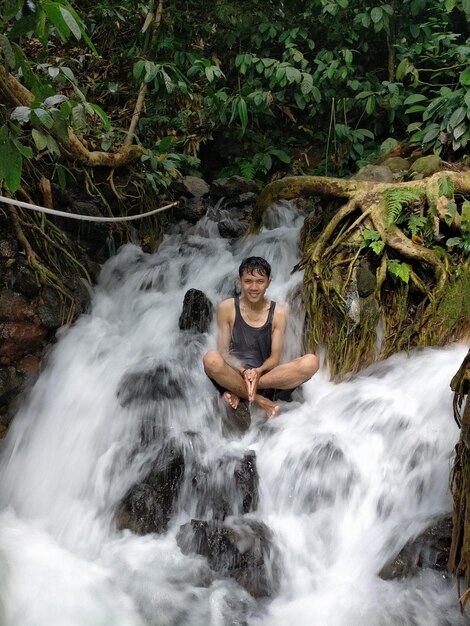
(240, 549)
(375, 174)
(8, 248)
(429, 550)
(159, 383)
(197, 312)
(366, 281)
(427, 165)
(232, 186)
(191, 186)
(20, 338)
(229, 486)
(50, 308)
(231, 229)
(188, 209)
(149, 505)
(22, 278)
(14, 307)
(10, 382)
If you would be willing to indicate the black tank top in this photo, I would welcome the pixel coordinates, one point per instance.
(252, 346)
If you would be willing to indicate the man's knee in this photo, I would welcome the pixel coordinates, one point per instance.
(213, 362)
(309, 364)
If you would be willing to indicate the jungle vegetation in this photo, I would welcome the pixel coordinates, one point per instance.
(117, 98)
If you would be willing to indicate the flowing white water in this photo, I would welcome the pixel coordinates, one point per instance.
(346, 478)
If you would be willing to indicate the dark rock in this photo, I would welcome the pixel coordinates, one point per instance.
(10, 382)
(239, 550)
(82, 292)
(189, 209)
(429, 550)
(14, 307)
(366, 281)
(197, 312)
(149, 386)
(148, 506)
(8, 248)
(22, 278)
(249, 197)
(141, 512)
(232, 186)
(228, 487)
(191, 186)
(20, 338)
(375, 174)
(235, 423)
(93, 235)
(50, 308)
(231, 229)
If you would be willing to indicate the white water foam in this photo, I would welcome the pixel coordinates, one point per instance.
(346, 478)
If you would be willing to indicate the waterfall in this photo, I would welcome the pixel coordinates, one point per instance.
(347, 475)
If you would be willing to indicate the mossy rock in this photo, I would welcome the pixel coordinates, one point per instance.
(366, 282)
(454, 308)
(397, 164)
(427, 165)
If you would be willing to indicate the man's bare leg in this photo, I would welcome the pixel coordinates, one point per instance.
(217, 368)
(290, 375)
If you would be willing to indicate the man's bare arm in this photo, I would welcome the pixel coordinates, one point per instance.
(277, 340)
(225, 315)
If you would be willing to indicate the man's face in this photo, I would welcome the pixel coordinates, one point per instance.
(254, 285)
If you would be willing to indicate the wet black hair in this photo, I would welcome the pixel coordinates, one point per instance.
(255, 264)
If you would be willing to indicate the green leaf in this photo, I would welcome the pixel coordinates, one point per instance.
(44, 117)
(280, 154)
(403, 68)
(67, 72)
(431, 133)
(454, 241)
(242, 113)
(151, 70)
(7, 51)
(39, 139)
(55, 16)
(71, 22)
(25, 151)
(377, 246)
(11, 165)
(449, 5)
(376, 14)
(414, 98)
(457, 116)
(370, 235)
(52, 146)
(446, 187)
(400, 270)
(306, 85)
(370, 105)
(139, 69)
(102, 115)
(465, 77)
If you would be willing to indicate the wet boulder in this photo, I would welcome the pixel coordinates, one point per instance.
(232, 186)
(10, 382)
(20, 338)
(197, 312)
(228, 487)
(428, 550)
(14, 307)
(21, 278)
(153, 385)
(149, 505)
(242, 550)
(50, 308)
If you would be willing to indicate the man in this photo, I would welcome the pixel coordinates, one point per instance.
(250, 340)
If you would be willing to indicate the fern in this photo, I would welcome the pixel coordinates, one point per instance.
(247, 168)
(397, 198)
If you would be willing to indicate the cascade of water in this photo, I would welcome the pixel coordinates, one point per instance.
(347, 477)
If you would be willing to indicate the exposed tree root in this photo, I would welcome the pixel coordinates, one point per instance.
(432, 308)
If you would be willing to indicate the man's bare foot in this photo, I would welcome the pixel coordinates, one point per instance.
(267, 406)
(232, 399)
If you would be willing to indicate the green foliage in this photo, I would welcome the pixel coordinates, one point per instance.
(399, 270)
(397, 198)
(372, 239)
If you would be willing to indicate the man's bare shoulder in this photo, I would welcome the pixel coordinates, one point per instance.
(226, 308)
(280, 314)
